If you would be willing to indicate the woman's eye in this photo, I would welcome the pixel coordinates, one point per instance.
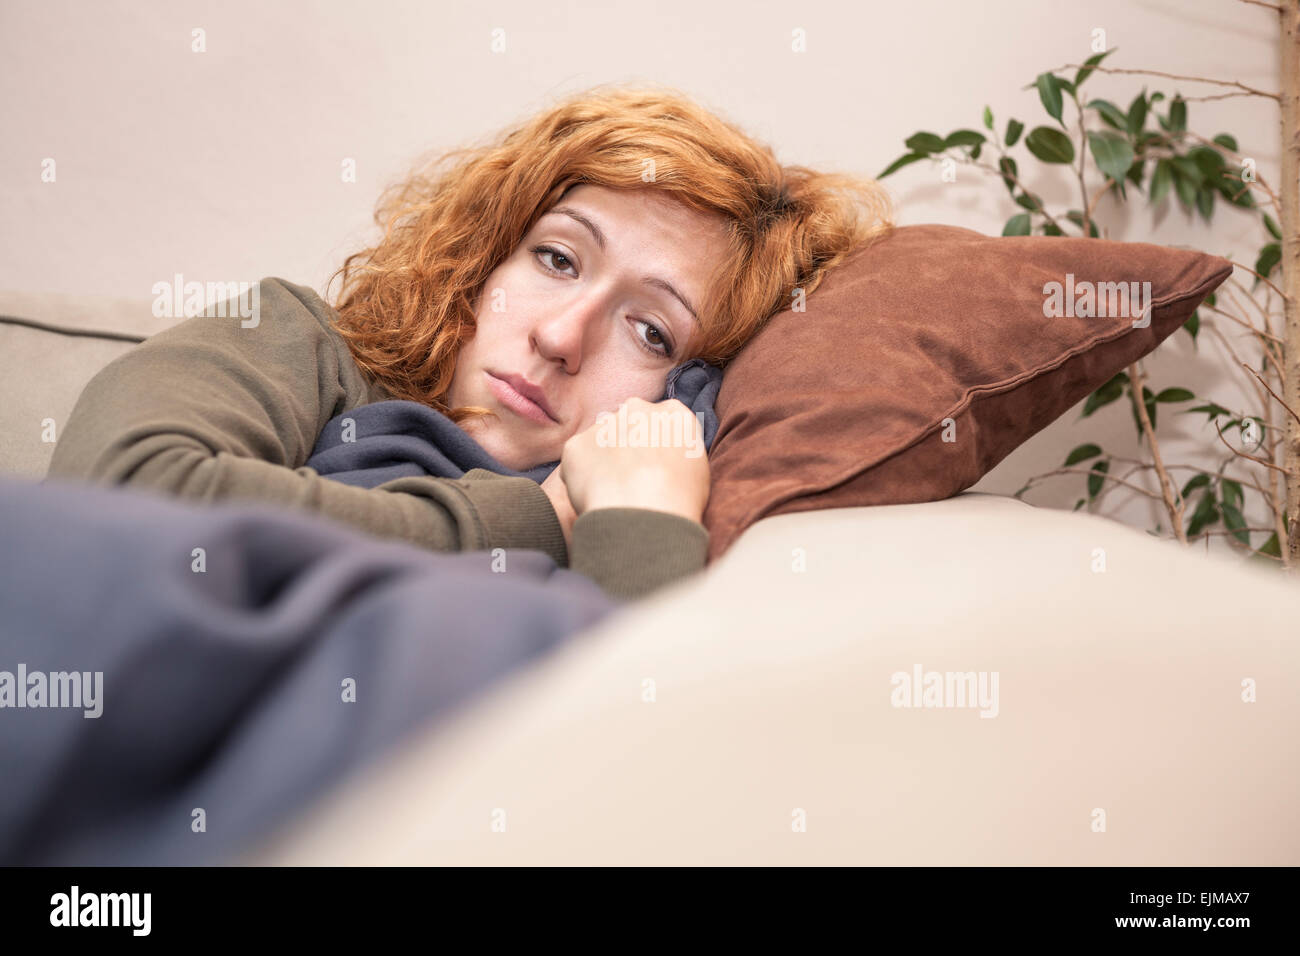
(556, 256)
(661, 347)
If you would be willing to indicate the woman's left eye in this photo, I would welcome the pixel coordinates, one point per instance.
(665, 348)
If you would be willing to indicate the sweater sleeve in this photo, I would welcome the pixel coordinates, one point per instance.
(212, 410)
(633, 552)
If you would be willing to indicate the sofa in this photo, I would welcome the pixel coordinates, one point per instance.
(968, 681)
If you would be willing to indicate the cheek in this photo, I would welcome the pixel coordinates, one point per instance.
(639, 384)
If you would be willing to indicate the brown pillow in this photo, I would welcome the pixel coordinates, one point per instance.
(844, 404)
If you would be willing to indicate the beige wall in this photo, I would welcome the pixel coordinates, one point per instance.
(225, 165)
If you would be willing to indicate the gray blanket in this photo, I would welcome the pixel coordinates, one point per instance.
(176, 679)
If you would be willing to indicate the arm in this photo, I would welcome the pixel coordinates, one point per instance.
(632, 552)
(630, 548)
(209, 410)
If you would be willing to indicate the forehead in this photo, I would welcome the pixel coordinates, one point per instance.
(650, 220)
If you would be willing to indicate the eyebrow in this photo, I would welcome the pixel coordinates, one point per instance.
(599, 236)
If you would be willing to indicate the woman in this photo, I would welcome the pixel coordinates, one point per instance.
(581, 257)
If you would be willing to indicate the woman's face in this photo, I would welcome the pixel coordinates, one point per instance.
(589, 319)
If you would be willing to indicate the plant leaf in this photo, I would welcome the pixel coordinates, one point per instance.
(1085, 71)
(1017, 225)
(1198, 481)
(1112, 153)
(1207, 513)
(1135, 172)
(1096, 477)
(1008, 165)
(1049, 91)
(1268, 259)
(1161, 180)
(1177, 114)
(1230, 492)
(1213, 410)
(988, 118)
(1105, 395)
(900, 163)
(1110, 114)
(1082, 453)
(1270, 547)
(963, 137)
(1175, 395)
(1137, 113)
(1184, 187)
(1205, 203)
(1050, 145)
(1272, 226)
(1234, 522)
(1209, 162)
(924, 143)
(1014, 129)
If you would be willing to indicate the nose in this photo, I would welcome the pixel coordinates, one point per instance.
(562, 333)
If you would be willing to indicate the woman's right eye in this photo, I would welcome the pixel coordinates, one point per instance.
(555, 254)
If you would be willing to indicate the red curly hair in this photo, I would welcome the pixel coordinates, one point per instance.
(407, 304)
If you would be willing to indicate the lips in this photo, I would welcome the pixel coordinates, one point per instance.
(532, 393)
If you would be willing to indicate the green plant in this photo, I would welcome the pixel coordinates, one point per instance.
(1148, 149)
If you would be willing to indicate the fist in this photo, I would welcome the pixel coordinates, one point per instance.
(644, 455)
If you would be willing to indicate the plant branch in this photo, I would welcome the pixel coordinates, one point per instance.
(1092, 204)
(1086, 471)
(1263, 313)
(1261, 278)
(1146, 464)
(1174, 76)
(1271, 392)
(1083, 161)
(1233, 352)
(1166, 484)
(1275, 356)
(1242, 322)
(1242, 454)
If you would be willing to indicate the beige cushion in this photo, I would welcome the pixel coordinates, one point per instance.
(44, 372)
(1119, 691)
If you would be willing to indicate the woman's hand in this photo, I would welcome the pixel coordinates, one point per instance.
(554, 487)
(604, 473)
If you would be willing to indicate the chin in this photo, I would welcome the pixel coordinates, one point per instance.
(493, 444)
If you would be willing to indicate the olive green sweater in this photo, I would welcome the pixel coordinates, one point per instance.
(209, 410)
